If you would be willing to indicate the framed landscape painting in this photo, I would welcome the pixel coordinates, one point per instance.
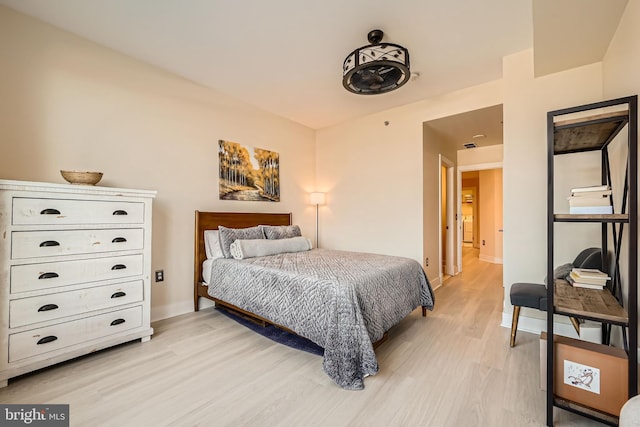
(245, 173)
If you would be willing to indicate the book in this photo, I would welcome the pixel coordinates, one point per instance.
(600, 193)
(575, 284)
(592, 273)
(600, 210)
(594, 200)
(591, 188)
(588, 280)
(589, 201)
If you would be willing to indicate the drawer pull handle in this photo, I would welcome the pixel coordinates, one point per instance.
(50, 212)
(117, 322)
(120, 212)
(118, 295)
(45, 340)
(119, 267)
(119, 240)
(48, 307)
(49, 275)
(49, 243)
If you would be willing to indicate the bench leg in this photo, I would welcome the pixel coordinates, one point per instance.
(514, 324)
(576, 325)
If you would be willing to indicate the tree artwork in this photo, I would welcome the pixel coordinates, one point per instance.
(248, 174)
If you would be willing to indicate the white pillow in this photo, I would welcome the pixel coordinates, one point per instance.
(212, 244)
(206, 270)
(250, 248)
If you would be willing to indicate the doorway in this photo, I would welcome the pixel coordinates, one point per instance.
(469, 210)
(480, 213)
(446, 143)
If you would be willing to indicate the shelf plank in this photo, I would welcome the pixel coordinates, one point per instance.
(614, 115)
(587, 133)
(598, 305)
(585, 410)
(591, 217)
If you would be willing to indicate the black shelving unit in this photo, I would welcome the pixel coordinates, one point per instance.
(587, 128)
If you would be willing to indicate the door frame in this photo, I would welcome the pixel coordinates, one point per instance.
(450, 266)
(467, 168)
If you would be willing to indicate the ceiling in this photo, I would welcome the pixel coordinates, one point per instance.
(570, 33)
(285, 56)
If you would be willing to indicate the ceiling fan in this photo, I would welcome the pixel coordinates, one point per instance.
(376, 68)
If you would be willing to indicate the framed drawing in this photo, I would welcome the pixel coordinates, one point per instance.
(245, 173)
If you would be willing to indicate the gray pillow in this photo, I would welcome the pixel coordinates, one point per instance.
(273, 232)
(561, 272)
(229, 235)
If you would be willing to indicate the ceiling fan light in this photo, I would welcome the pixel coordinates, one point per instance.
(376, 68)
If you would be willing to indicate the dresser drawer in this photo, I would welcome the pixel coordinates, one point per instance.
(34, 244)
(50, 338)
(34, 277)
(27, 311)
(34, 211)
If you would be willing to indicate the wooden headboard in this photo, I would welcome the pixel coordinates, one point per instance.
(211, 221)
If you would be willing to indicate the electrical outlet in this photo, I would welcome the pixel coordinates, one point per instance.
(159, 275)
(426, 262)
(483, 243)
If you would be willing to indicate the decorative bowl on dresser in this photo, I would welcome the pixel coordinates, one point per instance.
(81, 178)
(75, 272)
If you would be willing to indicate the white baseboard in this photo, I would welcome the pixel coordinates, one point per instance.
(536, 326)
(205, 303)
(435, 283)
(172, 310)
(491, 259)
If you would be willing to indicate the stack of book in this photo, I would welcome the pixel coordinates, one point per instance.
(589, 278)
(590, 200)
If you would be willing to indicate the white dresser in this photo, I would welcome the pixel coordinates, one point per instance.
(75, 271)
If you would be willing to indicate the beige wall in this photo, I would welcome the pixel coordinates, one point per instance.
(68, 103)
(372, 175)
(622, 60)
(430, 245)
(480, 155)
(484, 158)
(378, 188)
(620, 70)
(526, 103)
(490, 215)
(435, 153)
(525, 156)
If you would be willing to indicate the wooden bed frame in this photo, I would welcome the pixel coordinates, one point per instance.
(211, 221)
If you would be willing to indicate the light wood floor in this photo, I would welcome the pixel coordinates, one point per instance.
(453, 368)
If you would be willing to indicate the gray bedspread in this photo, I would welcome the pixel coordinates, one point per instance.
(342, 301)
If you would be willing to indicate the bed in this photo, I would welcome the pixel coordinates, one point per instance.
(342, 301)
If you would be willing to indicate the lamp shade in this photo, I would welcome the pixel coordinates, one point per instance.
(317, 198)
